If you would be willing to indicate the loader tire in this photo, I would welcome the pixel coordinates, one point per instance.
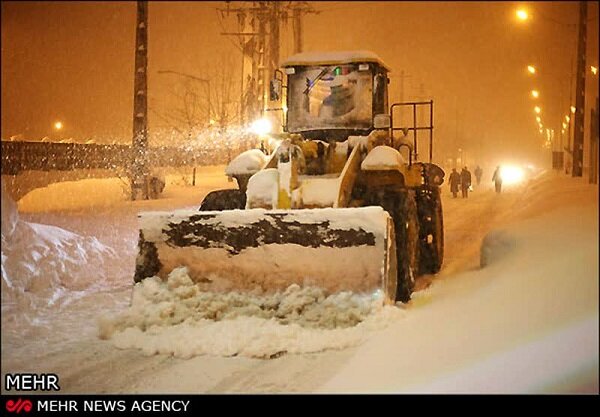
(402, 207)
(431, 230)
(223, 200)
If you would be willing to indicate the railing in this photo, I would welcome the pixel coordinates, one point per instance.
(47, 156)
(415, 128)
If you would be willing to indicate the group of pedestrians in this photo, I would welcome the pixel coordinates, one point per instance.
(462, 180)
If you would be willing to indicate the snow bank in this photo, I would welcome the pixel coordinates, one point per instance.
(527, 322)
(42, 265)
(175, 317)
(496, 246)
(10, 215)
(73, 195)
(247, 162)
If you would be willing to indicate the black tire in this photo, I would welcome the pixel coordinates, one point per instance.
(402, 207)
(223, 200)
(431, 230)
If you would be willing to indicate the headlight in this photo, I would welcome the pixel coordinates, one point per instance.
(261, 127)
(511, 174)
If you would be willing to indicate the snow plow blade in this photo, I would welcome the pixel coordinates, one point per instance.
(337, 249)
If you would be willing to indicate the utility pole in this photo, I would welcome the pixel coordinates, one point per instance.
(297, 28)
(580, 93)
(263, 55)
(299, 9)
(258, 33)
(274, 29)
(594, 145)
(140, 171)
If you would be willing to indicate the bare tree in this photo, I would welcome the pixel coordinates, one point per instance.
(223, 85)
(196, 102)
(183, 109)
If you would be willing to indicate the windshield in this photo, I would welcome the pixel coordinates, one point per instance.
(330, 97)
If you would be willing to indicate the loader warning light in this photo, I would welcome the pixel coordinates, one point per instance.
(337, 71)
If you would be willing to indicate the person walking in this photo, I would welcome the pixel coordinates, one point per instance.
(454, 181)
(478, 173)
(497, 179)
(465, 182)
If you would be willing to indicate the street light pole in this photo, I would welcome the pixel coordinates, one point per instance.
(580, 93)
(576, 156)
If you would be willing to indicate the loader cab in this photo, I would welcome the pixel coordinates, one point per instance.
(334, 95)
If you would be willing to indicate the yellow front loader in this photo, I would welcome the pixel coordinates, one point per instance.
(341, 202)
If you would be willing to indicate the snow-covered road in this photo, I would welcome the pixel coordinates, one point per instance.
(528, 322)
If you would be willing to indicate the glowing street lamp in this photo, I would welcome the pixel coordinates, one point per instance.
(531, 69)
(522, 14)
(567, 118)
(58, 125)
(594, 70)
(573, 109)
(538, 119)
(537, 109)
(564, 125)
(535, 93)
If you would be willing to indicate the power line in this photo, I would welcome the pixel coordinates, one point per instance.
(259, 38)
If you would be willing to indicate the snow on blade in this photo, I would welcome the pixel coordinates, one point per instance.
(371, 219)
(334, 249)
(175, 317)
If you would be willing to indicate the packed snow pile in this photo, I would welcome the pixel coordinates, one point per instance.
(176, 317)
(42, 264)
(10, 216)
(495, 246)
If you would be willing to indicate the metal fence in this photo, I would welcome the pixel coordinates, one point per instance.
(47, 156)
